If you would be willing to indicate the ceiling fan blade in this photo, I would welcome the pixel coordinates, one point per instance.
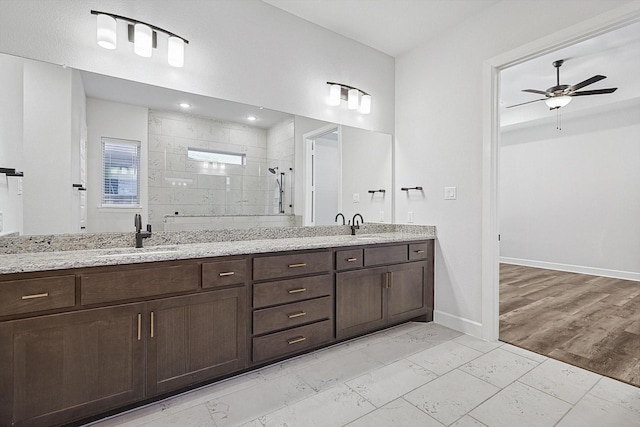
(595, 92)
(587, 82)
(541, 92)
(523, 103)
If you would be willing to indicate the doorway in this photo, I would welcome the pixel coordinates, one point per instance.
(323, 175)
(540, 277)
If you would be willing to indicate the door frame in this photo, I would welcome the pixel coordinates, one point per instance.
(308, 217)
(491, 68)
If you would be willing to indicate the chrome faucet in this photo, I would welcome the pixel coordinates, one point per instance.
(340, 214)
(355, 225)
(137, 221)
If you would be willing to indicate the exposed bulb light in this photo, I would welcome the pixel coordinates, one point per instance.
(557, 101)
(142, 40)
(365, 104)
(106, 31)
(335, 92)
(175, 52)
(356, 99)
(252, 118)
(184, 105)
(352, 99)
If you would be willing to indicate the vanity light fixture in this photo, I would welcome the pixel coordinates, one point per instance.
(356, 99)
(184, 105)
(252, 118)
(143, 36)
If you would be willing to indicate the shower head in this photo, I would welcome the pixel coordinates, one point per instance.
(273, 170)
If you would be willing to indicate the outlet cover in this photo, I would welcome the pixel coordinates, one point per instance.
(356, 197)
(381, 216)
(1, 221)
(450, 193)
(409, 216)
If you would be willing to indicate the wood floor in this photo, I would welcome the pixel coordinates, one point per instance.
(588, 321)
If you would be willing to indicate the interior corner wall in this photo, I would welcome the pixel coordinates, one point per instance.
(47, 144)
(121, 121)
(245, 51)
(11, 135)
(570, 199)
(439, 131)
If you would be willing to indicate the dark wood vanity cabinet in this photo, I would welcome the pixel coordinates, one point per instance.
(373, 297)
(81, 342)
(68, 366)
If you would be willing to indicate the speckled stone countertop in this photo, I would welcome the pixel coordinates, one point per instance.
(64, 259)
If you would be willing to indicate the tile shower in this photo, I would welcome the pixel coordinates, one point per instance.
(219, 195)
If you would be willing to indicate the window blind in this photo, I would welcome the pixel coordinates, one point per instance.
(120, 177)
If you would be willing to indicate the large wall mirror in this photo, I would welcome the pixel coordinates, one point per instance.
(95, 150)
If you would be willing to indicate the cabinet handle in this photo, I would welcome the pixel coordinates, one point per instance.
(296, 340)
(294, 315)
(352, 259)
(297, 265)
(228, 273)
(419, 251)
(295, 291)
(43, 295)
(390, 279)
(152, 331)
(139, 326)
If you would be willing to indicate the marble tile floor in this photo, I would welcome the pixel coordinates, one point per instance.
(416, 374)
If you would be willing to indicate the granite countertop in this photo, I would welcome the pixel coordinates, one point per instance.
(42, 261)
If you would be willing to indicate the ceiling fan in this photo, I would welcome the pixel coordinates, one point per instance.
(560, 95)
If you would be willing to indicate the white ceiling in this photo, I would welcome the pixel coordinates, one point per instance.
(390, 26)
(615, 55)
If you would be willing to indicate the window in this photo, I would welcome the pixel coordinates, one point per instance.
(211, 156)
(120, 173)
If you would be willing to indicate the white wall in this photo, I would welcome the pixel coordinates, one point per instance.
(372, 154)
(11, 82)
(439, 112)
(570, 199)
(47, 147)
(245, 51)
(121, 121)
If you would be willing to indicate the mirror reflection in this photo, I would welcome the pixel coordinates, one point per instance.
(96, 150)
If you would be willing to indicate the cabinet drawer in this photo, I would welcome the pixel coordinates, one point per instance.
(120, 285)
(271, 267)
(289, 315)
(349, 259)
(224, 273)
(386, 255)
(28, 295)
(292, 340)
(418, 251)
(285, 291)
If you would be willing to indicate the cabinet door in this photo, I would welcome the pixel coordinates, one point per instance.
(59, 368)
(195, 338)
(406, 291)
(360, 301)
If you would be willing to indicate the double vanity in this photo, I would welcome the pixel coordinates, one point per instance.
(89, 332)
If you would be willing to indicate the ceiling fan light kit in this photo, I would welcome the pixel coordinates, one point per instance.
(561, 95)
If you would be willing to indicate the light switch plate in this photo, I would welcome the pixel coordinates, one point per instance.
(450, 193)
(410, 216)
(356, 197)
(381, 216)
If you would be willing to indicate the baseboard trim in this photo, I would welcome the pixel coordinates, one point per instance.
(458, 323)
(616, 274)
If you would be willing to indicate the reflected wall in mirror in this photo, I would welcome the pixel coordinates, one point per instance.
(55, 139)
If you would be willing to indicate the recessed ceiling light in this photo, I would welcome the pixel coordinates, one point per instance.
(184, 105)
(252, 118)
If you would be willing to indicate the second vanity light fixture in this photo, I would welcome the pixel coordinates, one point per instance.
(143, 36)
(357, 99)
